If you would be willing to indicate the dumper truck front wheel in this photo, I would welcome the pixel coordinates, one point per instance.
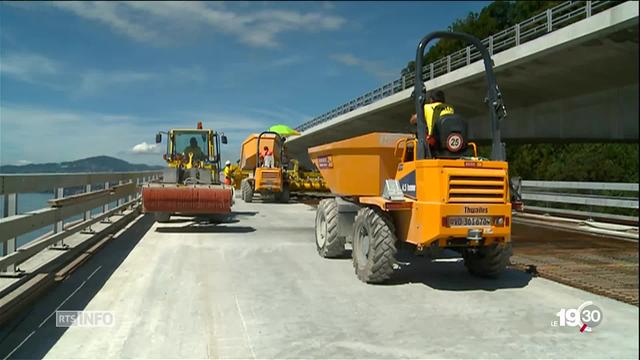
(247, 191)
(283, 196)
(374, 246)
(328, 243)
(489, 261)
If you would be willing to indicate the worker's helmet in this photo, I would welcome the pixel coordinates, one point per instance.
(227, 163)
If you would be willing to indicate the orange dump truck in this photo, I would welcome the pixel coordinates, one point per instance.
(396, 188)
(269, 182)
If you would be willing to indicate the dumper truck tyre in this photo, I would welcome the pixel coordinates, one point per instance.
(162, 217)
(328, 243)
(374, 245)
(489, 261)
(247, 191)
(283, 196)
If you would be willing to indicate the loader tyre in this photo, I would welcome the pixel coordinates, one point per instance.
(490, 261)
(328, 243)
(162, 217)
(374, 245)
(247, 191)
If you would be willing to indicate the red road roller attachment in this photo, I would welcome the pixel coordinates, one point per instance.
(187, 199)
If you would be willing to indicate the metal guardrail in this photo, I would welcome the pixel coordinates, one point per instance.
(121, 188)
(548, 21)
(567, 192)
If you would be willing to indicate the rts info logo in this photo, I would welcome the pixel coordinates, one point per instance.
(586, 317)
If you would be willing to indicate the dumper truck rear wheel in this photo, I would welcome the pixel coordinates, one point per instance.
(328, 243)
(489, 261)
(247, 191)
(374, 246)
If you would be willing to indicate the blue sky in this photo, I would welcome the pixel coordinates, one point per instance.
(79, 79)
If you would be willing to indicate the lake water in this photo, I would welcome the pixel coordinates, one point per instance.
(34, 201)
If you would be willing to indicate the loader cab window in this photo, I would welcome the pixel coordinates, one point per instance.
(186, 141)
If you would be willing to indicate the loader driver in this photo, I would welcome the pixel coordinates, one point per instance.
(433, 110)
(193, 148)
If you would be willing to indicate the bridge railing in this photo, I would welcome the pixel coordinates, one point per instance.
(589, 200)
(539, 25)
(74, 195)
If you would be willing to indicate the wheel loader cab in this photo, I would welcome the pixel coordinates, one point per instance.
(190, 185)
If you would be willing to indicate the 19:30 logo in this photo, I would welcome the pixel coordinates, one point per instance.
(586, 316)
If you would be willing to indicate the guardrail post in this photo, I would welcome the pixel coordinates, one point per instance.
(431, 71)
(448, 63)
(121, 200)
(87, 214)
(517, 34)
(130, 197)
(468, 55)
(588, 7)
(549, 20)
(59, 226)
(491, 45)
(105, 207)
(9, 246)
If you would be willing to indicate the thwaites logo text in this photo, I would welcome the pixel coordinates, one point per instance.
(476, 210)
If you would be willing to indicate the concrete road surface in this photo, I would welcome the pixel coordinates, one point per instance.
(256, 288)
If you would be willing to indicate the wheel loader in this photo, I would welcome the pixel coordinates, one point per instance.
(269, 182)
(397, 189)
(191, 184)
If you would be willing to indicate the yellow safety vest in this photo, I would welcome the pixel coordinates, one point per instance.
(227, 171)
(428, 114)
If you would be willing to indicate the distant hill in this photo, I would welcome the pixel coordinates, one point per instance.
(92, 164)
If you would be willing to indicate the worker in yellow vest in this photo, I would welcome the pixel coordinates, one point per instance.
(228, 176)
(434, 109)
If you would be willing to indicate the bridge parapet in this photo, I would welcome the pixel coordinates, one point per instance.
(603, 201)
(92, 191)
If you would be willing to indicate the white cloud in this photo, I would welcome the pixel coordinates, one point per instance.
(374, 68)
(94, 81)
(156, 22)
(110, 14)
(30, 67)
(23, 162)
(144, 148)
(41, 70)
(287, 61)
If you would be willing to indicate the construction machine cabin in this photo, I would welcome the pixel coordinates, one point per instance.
(394, 189)
(190, 185)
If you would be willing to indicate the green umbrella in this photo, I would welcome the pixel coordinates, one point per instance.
(283, 130)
